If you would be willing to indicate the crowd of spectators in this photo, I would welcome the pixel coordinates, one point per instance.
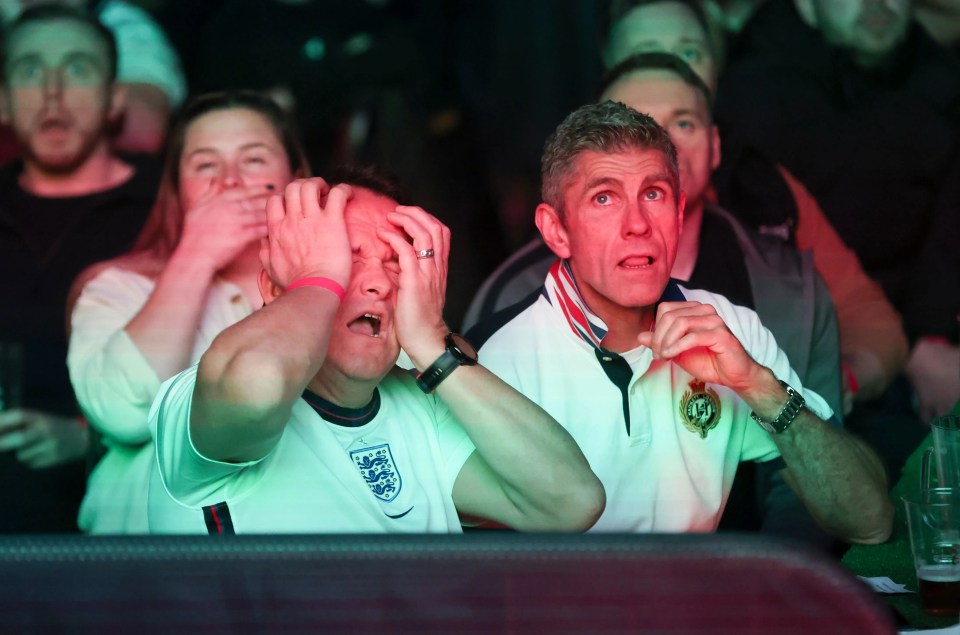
(816, 142)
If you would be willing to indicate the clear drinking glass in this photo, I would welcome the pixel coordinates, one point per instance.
(943, 459)
(933, 518)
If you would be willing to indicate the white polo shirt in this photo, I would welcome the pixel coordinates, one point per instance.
(394, 472)
(659, 474)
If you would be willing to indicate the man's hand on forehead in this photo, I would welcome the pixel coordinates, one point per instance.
(421, 231)
(306, 238)
(422, 244)
(394, 228)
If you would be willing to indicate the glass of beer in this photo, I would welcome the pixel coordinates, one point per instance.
(933, 518)
(943, 455)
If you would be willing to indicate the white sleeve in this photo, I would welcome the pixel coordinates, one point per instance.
(113, 382)
(144, 54)
(455, 444)
(761, 345)
(189, 477)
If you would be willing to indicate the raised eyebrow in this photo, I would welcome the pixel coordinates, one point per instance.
(70, 57)
(80, 55)
(662, 178)
(198, 151)
(603, 180)
(248, 146)
(255, 145)
(650, 42)
(686, 112)
(26, 57)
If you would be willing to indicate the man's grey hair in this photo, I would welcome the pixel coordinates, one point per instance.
(606, 127)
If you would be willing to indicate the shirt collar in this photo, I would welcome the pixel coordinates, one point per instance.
(563, 294)
(340, 415)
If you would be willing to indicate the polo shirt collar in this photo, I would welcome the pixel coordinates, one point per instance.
(563, 295)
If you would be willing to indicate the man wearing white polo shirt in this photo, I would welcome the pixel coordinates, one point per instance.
(297, 419)
(666, 389)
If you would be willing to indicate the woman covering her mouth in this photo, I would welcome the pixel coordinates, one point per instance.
(142, 318)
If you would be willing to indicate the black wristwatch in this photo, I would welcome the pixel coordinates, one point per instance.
(787, 414)
(459, 353)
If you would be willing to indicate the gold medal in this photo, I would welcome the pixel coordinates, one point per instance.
(700, 408)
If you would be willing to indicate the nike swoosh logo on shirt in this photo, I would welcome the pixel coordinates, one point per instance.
(399, 515)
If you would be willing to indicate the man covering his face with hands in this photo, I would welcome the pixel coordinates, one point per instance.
(297, 419)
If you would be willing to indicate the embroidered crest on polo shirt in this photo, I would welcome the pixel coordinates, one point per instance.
(700, 408)
(379, 471)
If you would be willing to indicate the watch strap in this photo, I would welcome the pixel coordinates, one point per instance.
(451, 359)
(429, 379)
(788, 413)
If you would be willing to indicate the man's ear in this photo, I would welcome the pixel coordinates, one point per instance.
(118, 102)
(681, 205)
(716, 148)
(269, 290)
(807, 11)
(552, 229)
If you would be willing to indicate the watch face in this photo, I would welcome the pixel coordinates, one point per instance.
(467, 353)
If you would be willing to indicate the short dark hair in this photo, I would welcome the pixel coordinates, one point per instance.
(620, 8)
(375, 178)
(656, 61)
(55, 11)
(605, 127)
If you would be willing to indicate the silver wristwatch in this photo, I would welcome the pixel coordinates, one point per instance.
(787, 414)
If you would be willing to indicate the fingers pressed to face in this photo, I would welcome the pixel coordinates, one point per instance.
(309, 197)
(275, 211)
(398, 242)
(291, 198)
(252, 193)
(253, 232)
(255, 218)
(209, 192)
(426, 231)
(337, 198)
(265, 252)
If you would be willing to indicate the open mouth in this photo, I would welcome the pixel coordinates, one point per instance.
(53, 124)
(637, 262)
(367, 324)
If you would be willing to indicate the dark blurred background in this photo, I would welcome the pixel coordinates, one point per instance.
(454, 96)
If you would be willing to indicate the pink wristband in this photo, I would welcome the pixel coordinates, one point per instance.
(323, 283)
